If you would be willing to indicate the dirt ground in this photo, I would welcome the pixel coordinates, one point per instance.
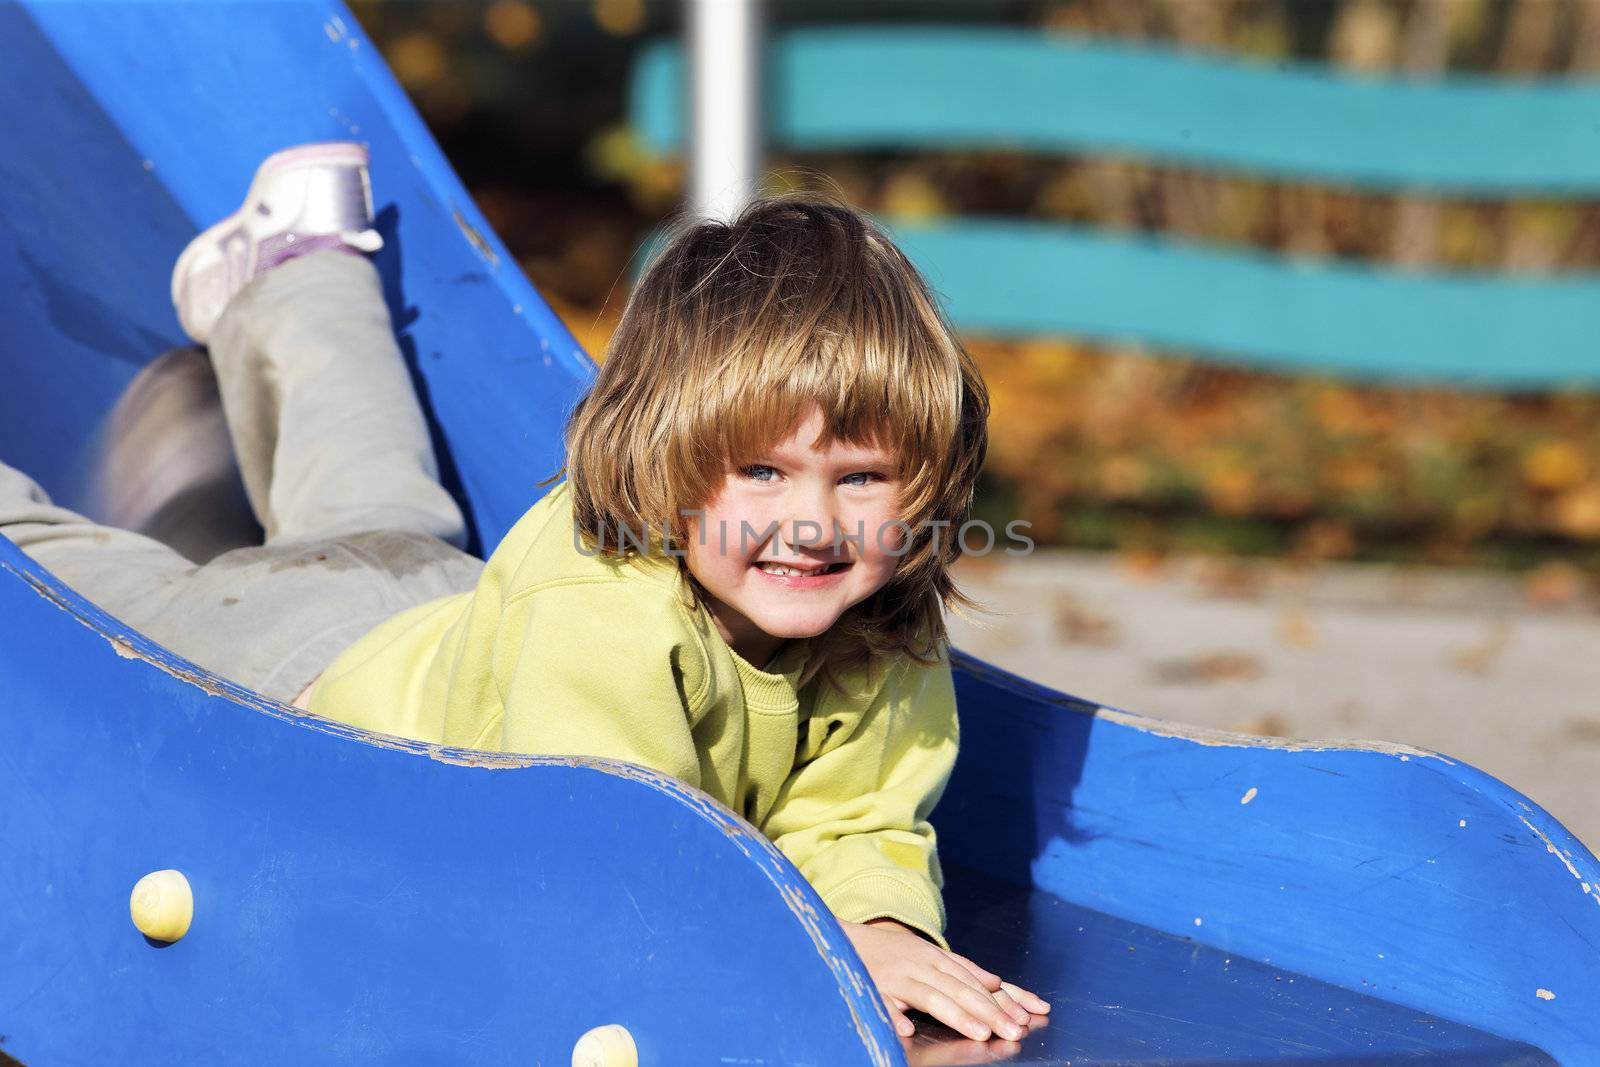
(1467, 664)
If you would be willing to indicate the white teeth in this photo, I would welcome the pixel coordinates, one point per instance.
(781, 569)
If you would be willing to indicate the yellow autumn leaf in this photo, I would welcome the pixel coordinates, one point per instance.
(1554, 466)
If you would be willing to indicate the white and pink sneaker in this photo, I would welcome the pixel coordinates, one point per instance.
(302, 199)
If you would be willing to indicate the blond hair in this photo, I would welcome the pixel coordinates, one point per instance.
(731, 335)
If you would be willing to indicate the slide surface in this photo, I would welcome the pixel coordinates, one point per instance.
(362, 901)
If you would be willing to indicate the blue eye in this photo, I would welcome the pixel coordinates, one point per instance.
(759, 472)
(864, 476)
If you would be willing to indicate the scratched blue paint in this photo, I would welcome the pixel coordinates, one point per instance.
(368, 903)
(1346, 865)
(359, 903)
(356, 904)
(1123, 992)
(88, 231)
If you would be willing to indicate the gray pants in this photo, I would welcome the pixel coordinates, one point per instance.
(337, 464)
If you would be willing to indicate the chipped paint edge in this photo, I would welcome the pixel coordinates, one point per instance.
(1200, 735)
(479, 244)
(1590, 889)
(1205, 735)
(754, 845)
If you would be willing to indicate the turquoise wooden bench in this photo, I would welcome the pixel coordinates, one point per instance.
(947, 88)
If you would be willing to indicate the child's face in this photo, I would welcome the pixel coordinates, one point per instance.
(789, 509)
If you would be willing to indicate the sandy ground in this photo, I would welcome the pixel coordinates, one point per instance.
(1465, 664)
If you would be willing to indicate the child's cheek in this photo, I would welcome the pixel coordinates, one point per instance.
(884, 537)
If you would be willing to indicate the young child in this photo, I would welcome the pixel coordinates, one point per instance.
(740, 582)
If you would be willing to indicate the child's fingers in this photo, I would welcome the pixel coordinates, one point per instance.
(979, 1001)
(1008, 1004)
(957, 970)
(902, 1023)
(945, 1005)
(990, 981)
(1036, 1004)
(1025, 1000)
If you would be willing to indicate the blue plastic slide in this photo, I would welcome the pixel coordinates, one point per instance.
(1181, 896)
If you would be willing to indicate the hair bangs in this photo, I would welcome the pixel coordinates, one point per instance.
(881, 371)
(730, 339)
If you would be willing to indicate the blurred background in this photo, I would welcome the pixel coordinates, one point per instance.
(1296, 551)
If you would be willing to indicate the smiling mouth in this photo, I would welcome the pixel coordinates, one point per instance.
(785, 570)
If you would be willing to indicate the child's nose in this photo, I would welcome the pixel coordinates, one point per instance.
(803, 534)
(812, 520)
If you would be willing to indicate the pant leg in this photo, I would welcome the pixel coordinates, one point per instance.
(338, 467)
(270, 617)
(327, 428)
(273, 617)
(108, 565)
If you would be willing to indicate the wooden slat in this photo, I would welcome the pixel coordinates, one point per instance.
(1015, 278)
(973, 87)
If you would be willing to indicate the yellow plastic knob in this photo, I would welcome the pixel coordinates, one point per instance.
(606, 1046)
(162, 905)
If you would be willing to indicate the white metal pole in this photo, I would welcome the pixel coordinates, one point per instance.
(725, 105)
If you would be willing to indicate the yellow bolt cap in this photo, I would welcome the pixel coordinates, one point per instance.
(162, 905)
(605, 1046)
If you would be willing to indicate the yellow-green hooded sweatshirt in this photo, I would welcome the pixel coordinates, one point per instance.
(559, 651)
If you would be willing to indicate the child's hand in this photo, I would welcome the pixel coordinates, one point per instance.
(913, 973)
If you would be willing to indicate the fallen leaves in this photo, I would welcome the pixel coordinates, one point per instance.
(1208, 668)
(1099, 446)
(1583, 729)
(1481, 656)
(1265, 724)
(1554, 465)
(1076, 624)
(1296, 630)
(1577, 513)
(1556, 584)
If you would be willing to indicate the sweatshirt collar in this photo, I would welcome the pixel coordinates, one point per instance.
(773, 687)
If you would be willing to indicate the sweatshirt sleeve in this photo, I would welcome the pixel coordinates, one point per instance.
(854, 817)
(596, 668)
